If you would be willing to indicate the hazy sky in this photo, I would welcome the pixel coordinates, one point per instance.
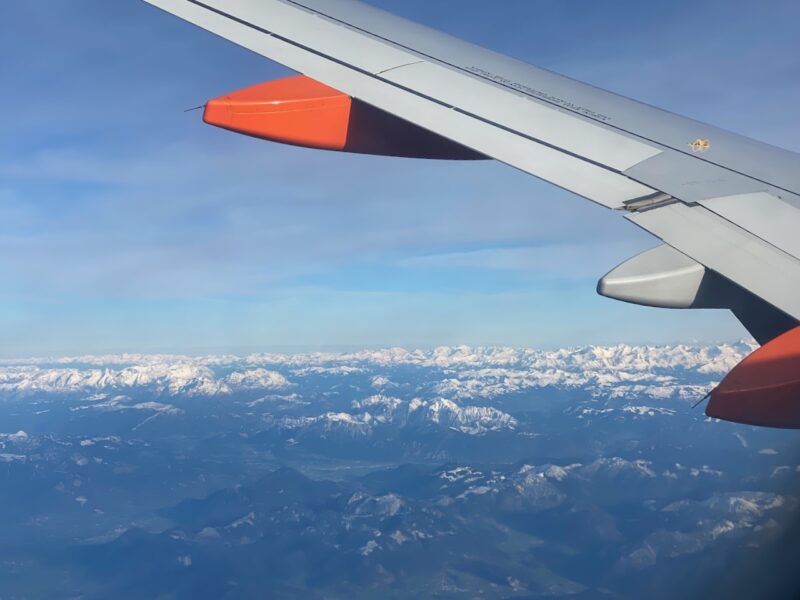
(127, 225)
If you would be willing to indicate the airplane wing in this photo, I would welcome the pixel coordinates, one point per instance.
(726, 207)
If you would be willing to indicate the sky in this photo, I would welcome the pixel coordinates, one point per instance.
(127, 225)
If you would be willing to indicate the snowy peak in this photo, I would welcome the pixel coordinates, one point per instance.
(459, 378)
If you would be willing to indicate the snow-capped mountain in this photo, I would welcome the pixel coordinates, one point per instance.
(465, 373)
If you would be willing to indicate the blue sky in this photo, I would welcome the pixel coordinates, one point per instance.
(127, 225)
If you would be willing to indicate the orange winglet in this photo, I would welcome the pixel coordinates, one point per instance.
(765, 388)
(303, 112)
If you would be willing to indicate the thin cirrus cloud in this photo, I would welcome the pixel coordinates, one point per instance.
(576, 260)
(125, 222)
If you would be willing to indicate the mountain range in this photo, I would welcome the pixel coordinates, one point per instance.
(450, 473)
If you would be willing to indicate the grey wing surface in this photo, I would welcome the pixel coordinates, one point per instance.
(728, 205)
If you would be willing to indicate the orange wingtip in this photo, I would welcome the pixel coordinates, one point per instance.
(764, 389)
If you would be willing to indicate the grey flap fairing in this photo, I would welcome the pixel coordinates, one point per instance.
(662, 277)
